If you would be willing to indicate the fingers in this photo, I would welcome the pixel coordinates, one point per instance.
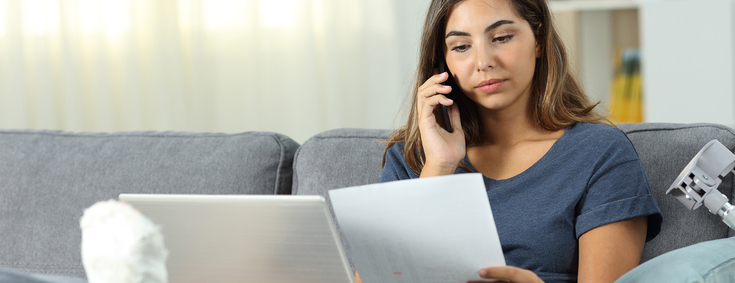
(436, 79)
(433, 90)
(434, 86)
(432, 104)
(511, 273)
(431, 94)
(454, 117)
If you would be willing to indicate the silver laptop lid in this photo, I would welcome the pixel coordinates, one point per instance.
(247, 238)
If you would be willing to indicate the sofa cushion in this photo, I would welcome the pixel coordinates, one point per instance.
(665, 149)
(47, 179)
(337, 159)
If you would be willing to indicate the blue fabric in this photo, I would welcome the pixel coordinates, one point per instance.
(590, 177)
(706, 262)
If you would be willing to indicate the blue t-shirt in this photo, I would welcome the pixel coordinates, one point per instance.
(590, 177)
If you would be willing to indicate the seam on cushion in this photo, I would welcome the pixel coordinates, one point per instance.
(709, 273)
(683, 127)
(280, 163)
(294, 180)
(347, 137)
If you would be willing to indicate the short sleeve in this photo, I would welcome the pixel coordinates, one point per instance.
(395, 167)
(617, 190)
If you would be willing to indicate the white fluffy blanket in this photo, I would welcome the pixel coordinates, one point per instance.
(120, 245)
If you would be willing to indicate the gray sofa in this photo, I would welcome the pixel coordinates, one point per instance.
(47, 178)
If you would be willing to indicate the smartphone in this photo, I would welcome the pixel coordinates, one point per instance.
(443, 118)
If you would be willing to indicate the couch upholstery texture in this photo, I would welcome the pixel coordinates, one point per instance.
(47, 178)
(665, 150)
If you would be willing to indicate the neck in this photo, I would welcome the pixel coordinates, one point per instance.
(509, 126)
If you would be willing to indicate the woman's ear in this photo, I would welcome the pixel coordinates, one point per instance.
(538, 50)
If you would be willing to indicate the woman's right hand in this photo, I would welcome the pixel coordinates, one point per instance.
(443, 150)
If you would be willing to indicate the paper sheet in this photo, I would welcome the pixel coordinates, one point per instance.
(427, 230)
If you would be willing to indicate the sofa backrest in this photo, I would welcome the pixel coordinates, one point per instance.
(337, 159)
(47, 179)
(665, 149)
(352, 157)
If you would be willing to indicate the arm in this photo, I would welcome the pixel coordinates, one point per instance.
(609, 251)
(605, 253)
(618, 189)
(443, 150)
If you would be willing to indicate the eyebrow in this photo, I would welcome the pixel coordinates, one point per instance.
(488, 29)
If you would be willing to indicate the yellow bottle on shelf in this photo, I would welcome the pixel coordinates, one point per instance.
(626, 99)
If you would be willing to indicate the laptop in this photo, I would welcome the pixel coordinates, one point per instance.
(247, 238)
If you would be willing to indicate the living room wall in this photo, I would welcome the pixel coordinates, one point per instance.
(295, 67)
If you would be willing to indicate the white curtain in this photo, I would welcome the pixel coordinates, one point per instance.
(296, 67)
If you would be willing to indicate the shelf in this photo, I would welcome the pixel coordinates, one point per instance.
(591, 31)
(592, 5)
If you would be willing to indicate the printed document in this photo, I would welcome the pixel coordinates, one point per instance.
(428, 230)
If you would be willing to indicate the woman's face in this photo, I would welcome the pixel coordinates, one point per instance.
(491, 52)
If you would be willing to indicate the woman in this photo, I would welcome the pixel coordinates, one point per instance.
(568, 192)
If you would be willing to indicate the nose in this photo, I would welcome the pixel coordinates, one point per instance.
(484, 60)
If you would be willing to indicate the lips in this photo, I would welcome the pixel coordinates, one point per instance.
(490, 86)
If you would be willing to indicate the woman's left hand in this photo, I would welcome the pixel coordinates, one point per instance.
(509, 273)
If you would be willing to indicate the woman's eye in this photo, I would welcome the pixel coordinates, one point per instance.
(502, 39)
(460, 48)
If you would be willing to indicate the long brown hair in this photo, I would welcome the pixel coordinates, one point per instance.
(559, 99)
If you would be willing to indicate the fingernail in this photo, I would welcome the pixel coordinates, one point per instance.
(482, 273)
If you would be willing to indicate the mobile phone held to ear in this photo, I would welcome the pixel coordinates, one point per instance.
(444, 121)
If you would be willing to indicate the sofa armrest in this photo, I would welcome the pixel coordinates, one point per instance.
(665, 149)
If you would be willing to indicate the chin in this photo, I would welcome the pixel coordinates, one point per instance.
(494, 107)
(492, 101)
